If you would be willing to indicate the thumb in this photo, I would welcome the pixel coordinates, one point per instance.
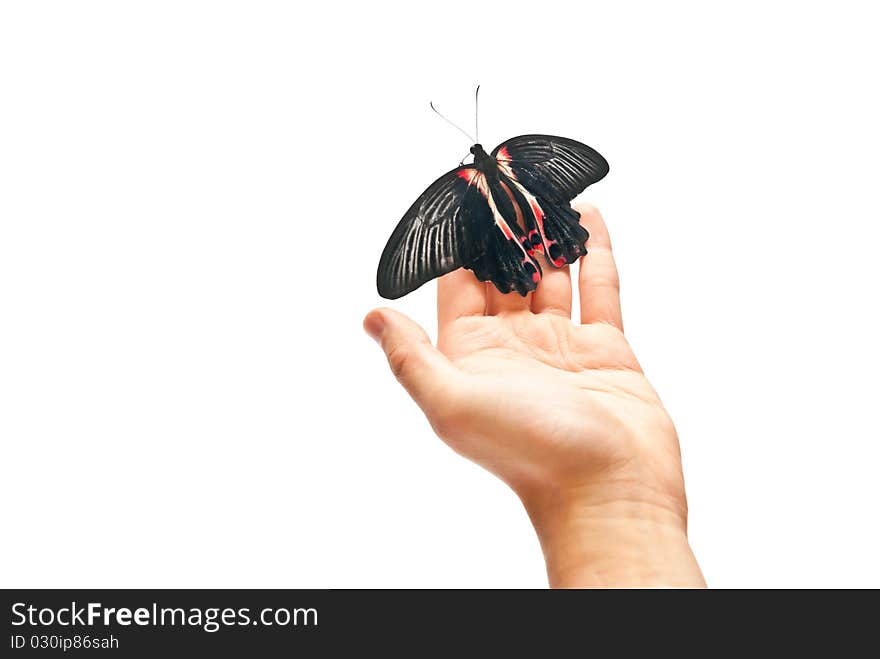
(423, 370)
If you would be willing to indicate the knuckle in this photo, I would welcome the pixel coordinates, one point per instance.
(398, 359)
(610, 280)
(601, 279)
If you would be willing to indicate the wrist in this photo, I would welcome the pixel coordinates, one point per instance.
(614, 540)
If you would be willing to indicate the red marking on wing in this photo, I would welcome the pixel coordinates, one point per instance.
(522, 243)
(538, 212)
(536, 209)
(529, 264)
(503, 154)
(505, 229)
(468, 174)
(535, 244)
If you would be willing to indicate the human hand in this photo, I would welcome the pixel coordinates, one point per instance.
(561, 412)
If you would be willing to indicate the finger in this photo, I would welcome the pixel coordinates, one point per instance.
(553, 294)
(423, 370)
(498, 302)
(598, 283)
(459, 294)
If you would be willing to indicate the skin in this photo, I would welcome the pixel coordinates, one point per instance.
(561, 412)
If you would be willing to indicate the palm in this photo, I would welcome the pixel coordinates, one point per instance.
(528, 394)
(575, 393)
(545, 341)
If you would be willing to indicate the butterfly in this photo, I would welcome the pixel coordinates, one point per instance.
(495, 216)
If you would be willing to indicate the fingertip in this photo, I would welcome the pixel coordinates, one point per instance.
(592, 220)
(374, 324)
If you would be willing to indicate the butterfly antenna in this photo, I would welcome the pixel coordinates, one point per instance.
(477, 113)
(456, 126)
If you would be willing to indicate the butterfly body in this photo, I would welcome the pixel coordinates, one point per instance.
(499, 217)
(481, 158)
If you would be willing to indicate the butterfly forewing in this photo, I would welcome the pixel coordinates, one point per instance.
(555, 168)
(444, 229)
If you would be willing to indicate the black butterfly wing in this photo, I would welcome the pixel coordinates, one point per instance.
(446, 228)
(552, 228)
(555, 168)
(545, 173)
(508, 261)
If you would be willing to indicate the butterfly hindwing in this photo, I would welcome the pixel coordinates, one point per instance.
(504, 266)
(531, 236)
(447, 227)
(564, 237)
(552, 228)
(508, 261)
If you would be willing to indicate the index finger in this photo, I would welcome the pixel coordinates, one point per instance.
(459, 294)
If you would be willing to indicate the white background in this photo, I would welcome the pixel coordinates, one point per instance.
(193, 200)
